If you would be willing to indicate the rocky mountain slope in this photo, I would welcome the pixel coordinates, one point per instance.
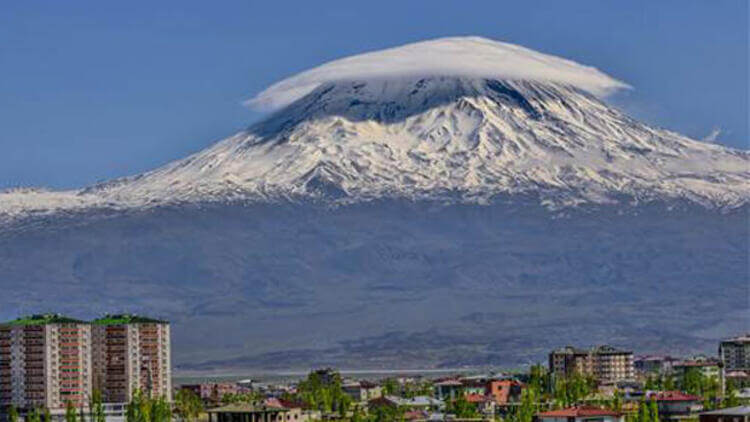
(457, 201)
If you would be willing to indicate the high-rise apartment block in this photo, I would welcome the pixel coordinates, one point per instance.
(131, 353)
(735, 353)
(48, 361)
(45, 362)
(605, 363)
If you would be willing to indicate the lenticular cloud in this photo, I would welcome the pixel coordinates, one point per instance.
(457, 56)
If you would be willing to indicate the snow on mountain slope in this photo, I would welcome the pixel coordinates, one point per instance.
(445, 133)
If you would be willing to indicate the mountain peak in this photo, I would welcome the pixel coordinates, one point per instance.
(439, 138)
(458, 57)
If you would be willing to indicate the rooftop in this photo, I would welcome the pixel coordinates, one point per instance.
(579, 411)
(733, 411)
(247, 408)
(744, 338)
(43, 319)
(119, 319)
(674, 396)
(598, 350)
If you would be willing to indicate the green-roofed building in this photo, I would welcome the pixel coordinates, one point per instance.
(42, 319)
(45, 361)
(131, 352)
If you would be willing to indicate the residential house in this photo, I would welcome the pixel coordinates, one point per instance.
(580, 414)
(674, 405)
(504, 391)
(362, 391)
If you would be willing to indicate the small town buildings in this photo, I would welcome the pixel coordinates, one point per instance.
(730, 414)
(45, 362)
(605, 363)
(708, 367)
(131, 352)
(212, 391)
(362, 391)
(580, 414)
(675, 405)
(734, 353)
(654, 364)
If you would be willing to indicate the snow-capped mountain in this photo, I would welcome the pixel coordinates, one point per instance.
(458, 137)
(452, 202)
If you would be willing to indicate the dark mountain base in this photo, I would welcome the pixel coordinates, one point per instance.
(392, 285)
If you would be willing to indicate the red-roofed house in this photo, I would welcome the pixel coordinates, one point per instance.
(676, 403)
(580, 414)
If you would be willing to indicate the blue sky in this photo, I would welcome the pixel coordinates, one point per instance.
(91, 90)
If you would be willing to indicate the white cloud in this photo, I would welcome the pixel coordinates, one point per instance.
(713, 136)
(456, 56)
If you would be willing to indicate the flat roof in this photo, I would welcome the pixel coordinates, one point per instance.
(247, 408)
(43, 319)
(119, 319)
(735, 411)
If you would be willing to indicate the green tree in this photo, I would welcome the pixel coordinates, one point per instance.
(616, 402)
(34, 416)
(70, 412)
(143, 408)
(643, 412)
(569, 391)
(653, 410)
(386, 414)
(668, 383)
(96, 407)
(462, 408)
(539, 378)
(730, 399)
(81, 414)
(326, 397)
(188, 405)
(391, 387)
(47, 415)
(12, 414)
(528, 407)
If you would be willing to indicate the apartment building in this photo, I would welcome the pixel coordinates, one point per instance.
(130, 353)
(605, 363)
(735, 353)
(45, 361)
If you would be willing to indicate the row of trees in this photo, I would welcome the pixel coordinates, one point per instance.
(328, 396)
(42, 414)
